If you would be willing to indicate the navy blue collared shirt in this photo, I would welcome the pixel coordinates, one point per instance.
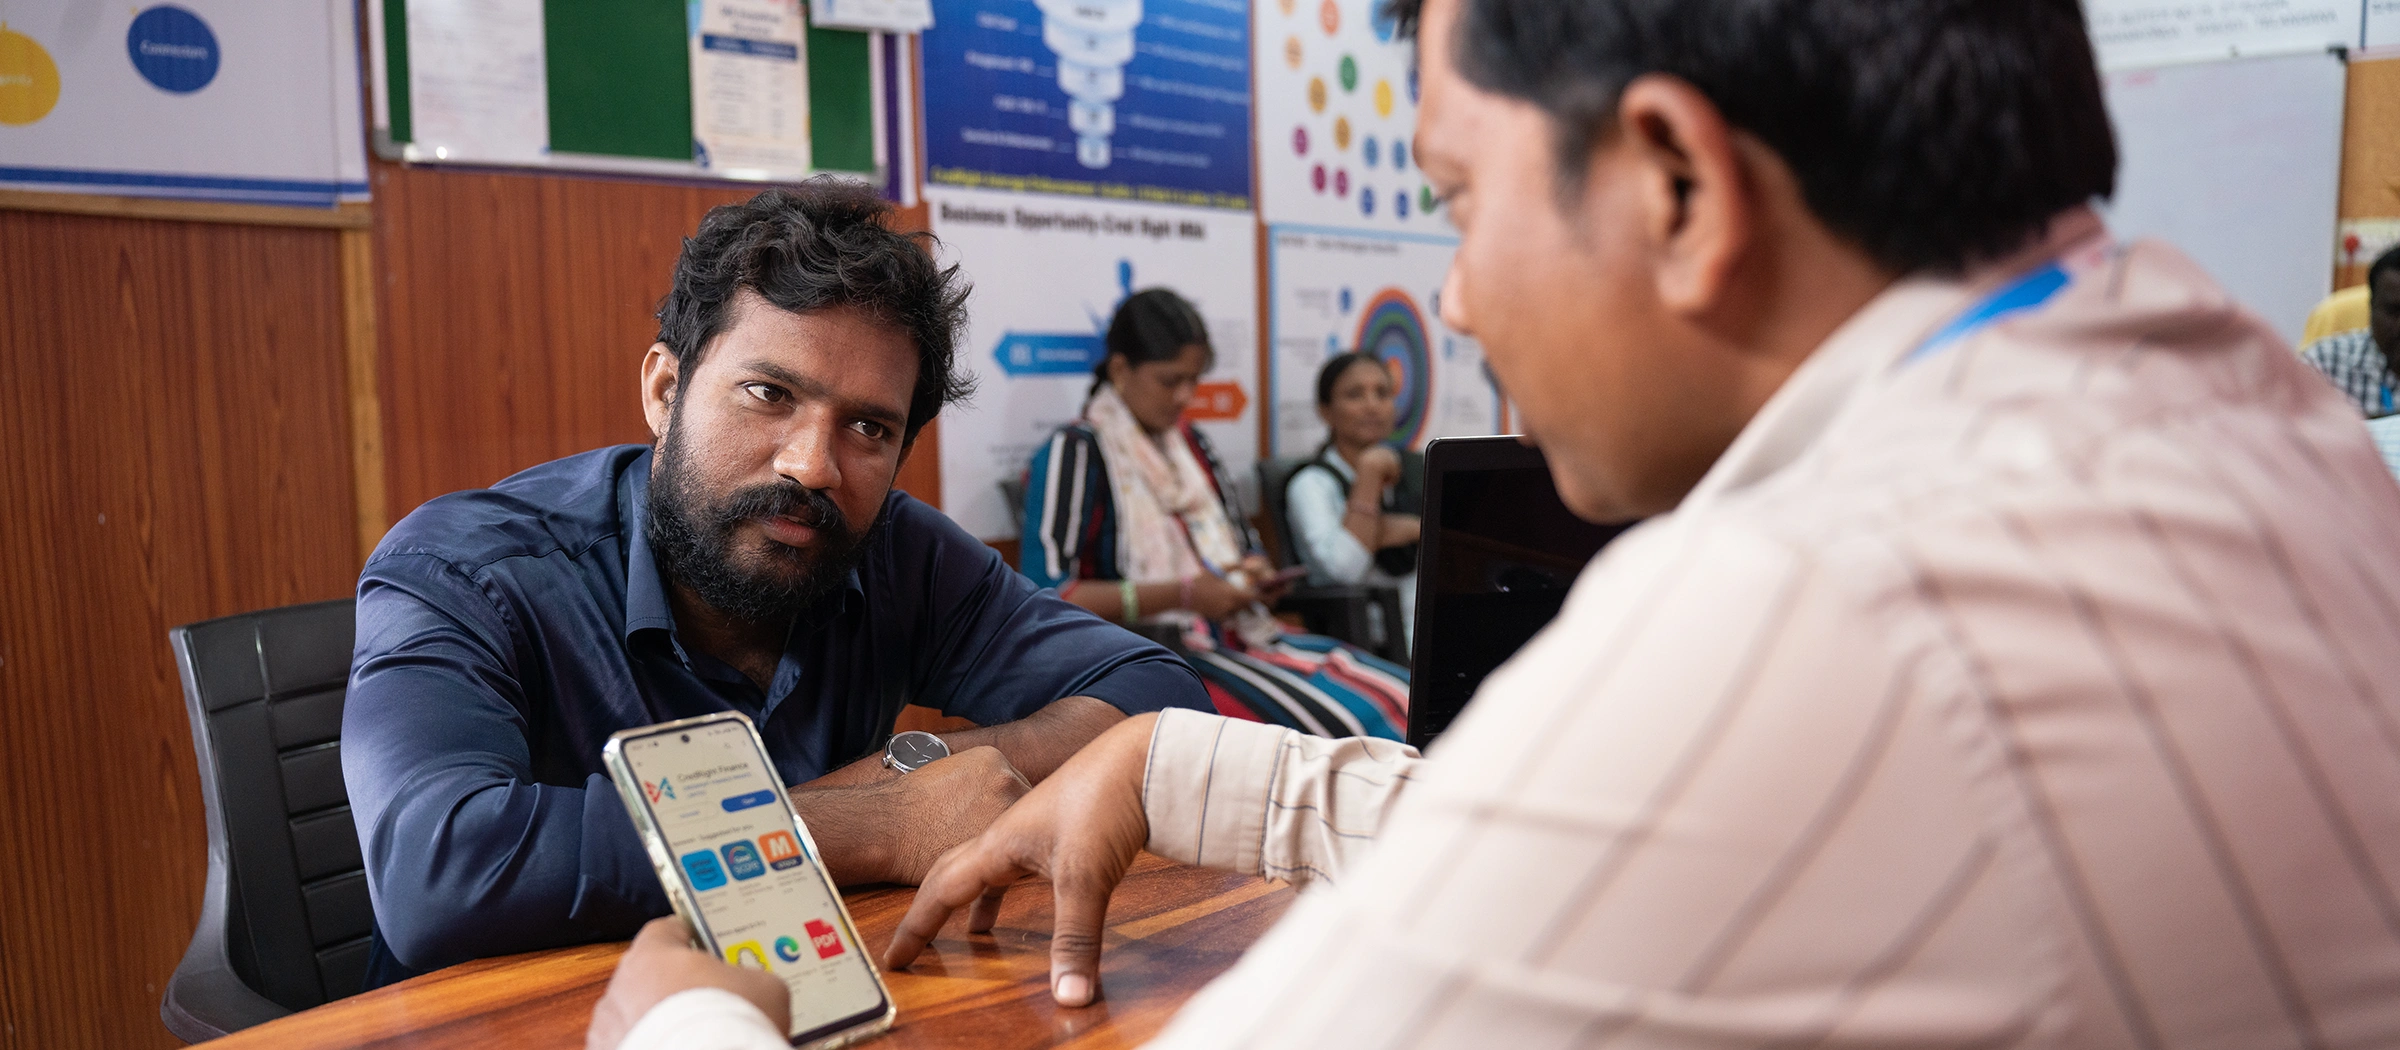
(504, 634)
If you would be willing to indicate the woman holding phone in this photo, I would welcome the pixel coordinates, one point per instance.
(1127, 513)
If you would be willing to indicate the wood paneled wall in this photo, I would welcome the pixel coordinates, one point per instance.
(2370, 150)
(515, 310)
(174, 446)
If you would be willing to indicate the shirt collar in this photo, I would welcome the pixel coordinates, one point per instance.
(1866, 348)
(1341, 467)
(646, 605)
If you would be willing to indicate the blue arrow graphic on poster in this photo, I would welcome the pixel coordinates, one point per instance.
(1063, 353)
(1050, 354)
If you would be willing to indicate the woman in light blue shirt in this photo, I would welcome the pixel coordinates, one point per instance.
(1354, 512)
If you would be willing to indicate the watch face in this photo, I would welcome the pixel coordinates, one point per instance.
(914, 750)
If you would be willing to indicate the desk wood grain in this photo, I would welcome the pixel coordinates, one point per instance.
(1171, 929)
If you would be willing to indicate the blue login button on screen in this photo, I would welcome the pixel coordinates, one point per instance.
(755, 798)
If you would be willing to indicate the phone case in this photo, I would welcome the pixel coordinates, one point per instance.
(621, 773)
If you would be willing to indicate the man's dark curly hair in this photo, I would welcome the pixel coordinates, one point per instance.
(824, 244)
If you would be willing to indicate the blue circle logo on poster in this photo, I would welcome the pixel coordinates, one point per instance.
(173, 49)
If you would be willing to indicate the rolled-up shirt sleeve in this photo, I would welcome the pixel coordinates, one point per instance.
(1005, 648)
(1264, 800)
(467, 853)
(1315, 505)
(704, 1019)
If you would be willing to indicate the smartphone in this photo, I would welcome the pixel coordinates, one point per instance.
(741, 869)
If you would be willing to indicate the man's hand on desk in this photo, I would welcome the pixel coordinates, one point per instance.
(662, 962)
(1082, 828)
(893, 829)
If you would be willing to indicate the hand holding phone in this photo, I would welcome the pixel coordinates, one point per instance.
(741, 869)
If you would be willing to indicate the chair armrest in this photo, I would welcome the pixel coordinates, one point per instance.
(206, 1000)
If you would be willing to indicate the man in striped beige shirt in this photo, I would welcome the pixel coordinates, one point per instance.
(2014, 659)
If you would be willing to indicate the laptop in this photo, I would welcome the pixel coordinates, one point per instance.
(1498, 553)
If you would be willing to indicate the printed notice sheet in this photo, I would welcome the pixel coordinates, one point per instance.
(750, 87)
(478, 82)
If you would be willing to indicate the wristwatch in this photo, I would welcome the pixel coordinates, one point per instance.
(912, 751)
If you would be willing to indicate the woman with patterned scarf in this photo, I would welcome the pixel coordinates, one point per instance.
(1127, 514)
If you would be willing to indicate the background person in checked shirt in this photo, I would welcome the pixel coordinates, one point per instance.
(2360, 362)
(2008, 663)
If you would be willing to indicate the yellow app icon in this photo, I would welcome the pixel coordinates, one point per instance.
(748, 955)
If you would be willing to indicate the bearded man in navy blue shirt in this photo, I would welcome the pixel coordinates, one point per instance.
(754, 559)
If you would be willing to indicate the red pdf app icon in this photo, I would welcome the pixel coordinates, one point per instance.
(820, 933)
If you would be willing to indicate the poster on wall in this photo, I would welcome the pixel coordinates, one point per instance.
(1048, 275)
(2150, 32)
(1337, 113)
(252, 101)
(2383, 24)
(1131, 100)
(1332, 291)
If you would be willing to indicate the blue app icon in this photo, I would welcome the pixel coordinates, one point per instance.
(787, 949)
(742, 857)
(702, 868)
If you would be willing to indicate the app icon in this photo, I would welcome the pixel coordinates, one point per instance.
(827, 942)
(742, 857)
(782, 850)
(702, 868)
(787, 949)
(663, 789)
(748, 955)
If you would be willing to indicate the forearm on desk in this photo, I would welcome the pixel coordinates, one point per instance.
(1262, 800)
(1041, 742)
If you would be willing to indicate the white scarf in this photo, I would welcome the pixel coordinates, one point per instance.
(1170, 523)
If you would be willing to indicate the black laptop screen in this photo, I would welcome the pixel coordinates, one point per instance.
(1500, 553)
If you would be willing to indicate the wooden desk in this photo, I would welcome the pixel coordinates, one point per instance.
(1171, 929)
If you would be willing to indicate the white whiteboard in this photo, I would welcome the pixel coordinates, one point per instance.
(2238, 163)
(255, 101)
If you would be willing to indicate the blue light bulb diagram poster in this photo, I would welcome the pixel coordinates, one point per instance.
(1127, 100)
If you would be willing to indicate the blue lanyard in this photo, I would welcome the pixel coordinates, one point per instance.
(2028, 292)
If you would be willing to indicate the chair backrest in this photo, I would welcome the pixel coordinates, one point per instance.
(1275, 475)
(287, 896)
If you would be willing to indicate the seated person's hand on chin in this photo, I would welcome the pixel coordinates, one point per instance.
(661, 963)
(1081, 828)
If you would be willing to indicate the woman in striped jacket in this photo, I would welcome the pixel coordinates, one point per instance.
(1127, 513)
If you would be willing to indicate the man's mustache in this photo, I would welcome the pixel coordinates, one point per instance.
(810, 507)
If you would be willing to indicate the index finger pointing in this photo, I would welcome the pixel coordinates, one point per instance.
(959, 878)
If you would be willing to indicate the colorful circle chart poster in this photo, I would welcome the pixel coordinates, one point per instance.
(1332, 291)
(1337, 113)
(1145, 101)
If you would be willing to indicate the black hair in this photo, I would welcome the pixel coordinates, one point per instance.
(1934, 134)
(1150, 326)
(2388, 262)
(821, 245)
(1331, 374)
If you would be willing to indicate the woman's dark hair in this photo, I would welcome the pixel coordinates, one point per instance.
(1934, 134)
(1151, 325)
(1331, 375)
(822, 245)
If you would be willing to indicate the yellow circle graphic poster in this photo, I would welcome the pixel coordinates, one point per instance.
(28, 79)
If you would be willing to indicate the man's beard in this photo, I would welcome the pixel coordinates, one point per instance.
(695, 543)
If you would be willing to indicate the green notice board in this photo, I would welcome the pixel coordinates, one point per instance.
(621, 84)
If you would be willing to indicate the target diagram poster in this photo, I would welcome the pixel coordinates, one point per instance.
(235, 100)
(1131, 100)
(1048, 275)
(1332, 291)
(1337, 113)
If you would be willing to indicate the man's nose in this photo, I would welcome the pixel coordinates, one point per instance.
(806, 455)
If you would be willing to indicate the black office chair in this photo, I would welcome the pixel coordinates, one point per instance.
(1364, 616)
(284, 918)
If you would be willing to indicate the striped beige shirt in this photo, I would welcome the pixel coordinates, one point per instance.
(2041, 692)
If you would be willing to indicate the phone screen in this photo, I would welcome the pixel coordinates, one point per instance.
(765, 900)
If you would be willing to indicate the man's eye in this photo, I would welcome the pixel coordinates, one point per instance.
(766, 392)
(872, 429)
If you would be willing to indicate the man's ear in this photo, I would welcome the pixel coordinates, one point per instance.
(1696, 199)
(659, 387)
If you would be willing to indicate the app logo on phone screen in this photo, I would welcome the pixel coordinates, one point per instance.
(702, 868)
(742, 857)
(747, 955)
(827, 942)
(787, 949)
(782, 850)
